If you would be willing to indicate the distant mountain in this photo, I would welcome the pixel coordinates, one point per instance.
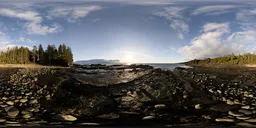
(98, 61)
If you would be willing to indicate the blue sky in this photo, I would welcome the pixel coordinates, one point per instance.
(146, 31)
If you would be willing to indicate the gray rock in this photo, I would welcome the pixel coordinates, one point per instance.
(11, 111)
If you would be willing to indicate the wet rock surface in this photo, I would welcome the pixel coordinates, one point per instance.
(128, 95)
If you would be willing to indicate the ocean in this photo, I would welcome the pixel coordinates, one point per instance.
(167, 66)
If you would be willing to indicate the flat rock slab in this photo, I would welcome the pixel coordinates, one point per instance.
(224, 120)
(235, 113)
(243, 117)
(246, 112)
(253, 120)
(245, 124)
(223, 107)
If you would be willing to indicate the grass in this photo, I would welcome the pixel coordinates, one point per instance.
(28, 66)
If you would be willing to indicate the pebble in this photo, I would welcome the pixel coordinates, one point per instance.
(26, 116)
(9, 102)
(4, 98)
(2, 120)
(245, 107)
(12, 125)
(243, 117)
(160, 106)
(30, 109)
(65, 117)
(11, 111)
(244, 124)
(224, 120)
(230, 102)
(198, 106)
(37, 122)
(246, 112)
(33, 101)
(234, 113)
(148, 118)
(24, 112)
(251, 120)
(23, 100)
(90, 124)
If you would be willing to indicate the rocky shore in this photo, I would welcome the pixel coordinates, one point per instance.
(128, 95)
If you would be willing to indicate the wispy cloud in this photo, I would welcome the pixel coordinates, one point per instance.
(6, 42)
(26, 40)
(211, 44)
(159, 2)
(246, 18)
(213, 9)
(73, 13)
(176, 19)
(34, 21)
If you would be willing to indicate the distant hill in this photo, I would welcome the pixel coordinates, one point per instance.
(98, 61)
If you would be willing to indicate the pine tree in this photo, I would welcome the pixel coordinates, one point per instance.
(41, 54)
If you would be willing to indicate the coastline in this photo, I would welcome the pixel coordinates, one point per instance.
(133, 95)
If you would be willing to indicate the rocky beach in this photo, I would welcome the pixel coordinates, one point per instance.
(128, 95)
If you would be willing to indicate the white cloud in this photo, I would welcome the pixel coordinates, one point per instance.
(247, 18)
(150, 2)
(96, 20)
(245, 38)
(37, 28)
(213, 9)
(176, 19)
(73, 13)
(26, 40)
(5, 42)
(211, 44)
(222, 27)
(24, 15)
(34, 21)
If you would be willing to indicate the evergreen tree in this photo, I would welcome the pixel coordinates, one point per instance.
(41, 54)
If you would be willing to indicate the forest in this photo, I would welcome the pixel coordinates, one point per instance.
(51, 56)
(228, 59)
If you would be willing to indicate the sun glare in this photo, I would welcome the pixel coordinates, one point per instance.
(127, 58)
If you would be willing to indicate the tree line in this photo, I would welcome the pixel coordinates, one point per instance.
(51, 56)
(228, 59)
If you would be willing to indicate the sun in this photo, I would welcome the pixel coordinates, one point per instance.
(128, 58)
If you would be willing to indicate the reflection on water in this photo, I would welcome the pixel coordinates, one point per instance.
(169, 66)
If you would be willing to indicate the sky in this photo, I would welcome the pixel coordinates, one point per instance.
(136, 31)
